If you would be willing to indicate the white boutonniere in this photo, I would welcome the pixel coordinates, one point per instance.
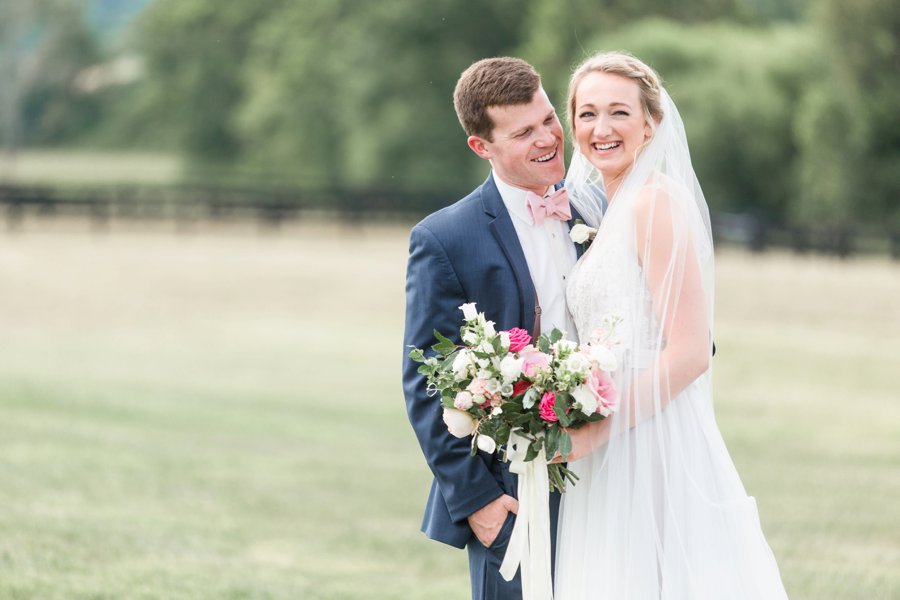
(582, 234)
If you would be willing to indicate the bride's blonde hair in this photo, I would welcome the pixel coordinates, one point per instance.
(624, 65)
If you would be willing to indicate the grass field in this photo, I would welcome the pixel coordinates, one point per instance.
(219, 415)
(54, 167)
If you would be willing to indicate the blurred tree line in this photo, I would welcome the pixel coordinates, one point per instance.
(791, 106)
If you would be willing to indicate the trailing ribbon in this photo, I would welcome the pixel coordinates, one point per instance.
(529, 544)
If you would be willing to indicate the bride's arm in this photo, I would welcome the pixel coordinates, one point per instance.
(668, 256)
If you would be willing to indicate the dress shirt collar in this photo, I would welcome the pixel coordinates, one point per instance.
(514, 199)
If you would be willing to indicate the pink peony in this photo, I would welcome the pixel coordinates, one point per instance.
(533, 360)
(476, 387)
(518, 339)
(548, 401)
(602, 385)
(463, 400)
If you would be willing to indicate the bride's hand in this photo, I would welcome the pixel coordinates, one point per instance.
(581, 442)
(584, 440)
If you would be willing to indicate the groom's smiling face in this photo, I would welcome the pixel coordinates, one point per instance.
(527, 148)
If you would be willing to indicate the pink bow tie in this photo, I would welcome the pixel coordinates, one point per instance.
(555, 206)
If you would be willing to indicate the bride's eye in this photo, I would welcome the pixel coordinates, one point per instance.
(585, 115)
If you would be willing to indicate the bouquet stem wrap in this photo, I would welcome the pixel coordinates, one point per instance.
(529, 544)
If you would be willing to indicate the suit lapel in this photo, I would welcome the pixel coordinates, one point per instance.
(504, 231)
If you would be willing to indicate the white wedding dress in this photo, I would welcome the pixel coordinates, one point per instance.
(659, 512)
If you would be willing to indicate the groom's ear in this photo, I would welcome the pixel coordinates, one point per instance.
(479, 147)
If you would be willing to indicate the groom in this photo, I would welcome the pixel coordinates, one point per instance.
(505, 247)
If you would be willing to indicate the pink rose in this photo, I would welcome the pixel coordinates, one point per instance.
(548, 401)
(534, 360)
(518, 339)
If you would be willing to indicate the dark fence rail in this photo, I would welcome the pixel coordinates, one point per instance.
(185, 204)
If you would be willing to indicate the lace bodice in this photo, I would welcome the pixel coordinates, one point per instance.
(608, 282)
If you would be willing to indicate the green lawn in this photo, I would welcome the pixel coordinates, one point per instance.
(219, 415)
(51, 166)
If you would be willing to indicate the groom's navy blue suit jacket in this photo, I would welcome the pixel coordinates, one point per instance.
(467, 252)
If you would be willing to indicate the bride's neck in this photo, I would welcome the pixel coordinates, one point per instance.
(611, 185)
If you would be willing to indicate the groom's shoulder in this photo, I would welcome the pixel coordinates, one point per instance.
(456, 218)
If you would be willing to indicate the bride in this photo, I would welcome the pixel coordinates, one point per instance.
(659, 511)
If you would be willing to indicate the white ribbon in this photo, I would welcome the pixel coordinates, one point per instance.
(529, 544)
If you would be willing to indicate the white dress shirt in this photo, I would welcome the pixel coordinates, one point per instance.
(550, 255)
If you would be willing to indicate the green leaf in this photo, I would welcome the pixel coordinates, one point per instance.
(555, 335)
(425, 370)
(444, 345)
(416, 354)
(544, 344)
(552, 441)
(565, 444)
(560, 410)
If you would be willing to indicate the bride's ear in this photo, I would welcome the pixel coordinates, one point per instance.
(479, 147)
(650, 128)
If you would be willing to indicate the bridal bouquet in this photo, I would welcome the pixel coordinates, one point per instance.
(503, 385)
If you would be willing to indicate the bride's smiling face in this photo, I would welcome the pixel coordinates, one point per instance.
(610, 127)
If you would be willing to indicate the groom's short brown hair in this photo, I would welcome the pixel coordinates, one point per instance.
(502, 81)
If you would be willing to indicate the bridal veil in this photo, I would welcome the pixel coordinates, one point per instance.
(659, 511)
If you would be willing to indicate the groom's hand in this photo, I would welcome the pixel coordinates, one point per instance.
(487, 521)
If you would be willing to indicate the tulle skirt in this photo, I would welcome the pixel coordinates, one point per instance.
(679, 528)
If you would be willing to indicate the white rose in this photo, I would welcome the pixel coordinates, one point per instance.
(581, 233)
(577, 363)
(565, 346)
(461, 362)
(586, 398)
(604, 358)
(510, 367)
(463, 401)
(469, 311)
(459, 423)
(486, 443)
(504, 339)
